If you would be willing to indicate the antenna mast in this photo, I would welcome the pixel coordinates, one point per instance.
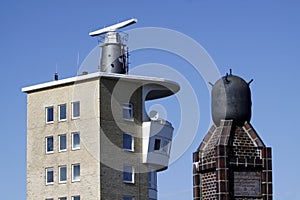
(113, 56)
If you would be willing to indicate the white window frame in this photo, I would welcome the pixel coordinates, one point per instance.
(72, 110)
(59, 106)
(59, 142)
(73, 197)
(127, 107)
(52, 169)
(132, 143)
(128, 169)
(73, 178)
(46, 144)
(59, 173)
(62, 198)
(75, 148)
(46, 115)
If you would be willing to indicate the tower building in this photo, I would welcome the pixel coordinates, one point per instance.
(90, 137)
(232, 162)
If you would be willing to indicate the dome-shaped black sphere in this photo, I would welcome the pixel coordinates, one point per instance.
(231, 99)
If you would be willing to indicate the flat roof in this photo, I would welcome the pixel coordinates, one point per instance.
(166, 87)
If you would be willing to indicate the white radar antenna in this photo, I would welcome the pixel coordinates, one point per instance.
(114, 56)
(113, 28)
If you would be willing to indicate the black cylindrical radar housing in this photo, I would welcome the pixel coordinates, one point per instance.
(231, 99)
(113, 58)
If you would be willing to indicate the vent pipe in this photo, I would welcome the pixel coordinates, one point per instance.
(56, 76)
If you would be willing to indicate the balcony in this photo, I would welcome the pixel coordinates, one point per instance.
(157, 140)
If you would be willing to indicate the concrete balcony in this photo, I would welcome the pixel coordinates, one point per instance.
(157, 140)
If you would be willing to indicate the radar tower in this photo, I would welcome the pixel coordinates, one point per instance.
(113, 56)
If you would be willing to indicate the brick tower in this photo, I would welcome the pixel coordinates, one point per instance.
(232, 162)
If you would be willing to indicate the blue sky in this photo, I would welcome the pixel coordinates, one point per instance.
(257, 39)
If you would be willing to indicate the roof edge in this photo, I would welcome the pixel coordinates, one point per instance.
(96, 75)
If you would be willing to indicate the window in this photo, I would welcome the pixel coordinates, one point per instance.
(62, 140)
(127, 111)
(128, 174)
(152, 180)
(128, 142)
(75, 140)
(76, 172)
(62, 112)
(128, 198)
(75, 110)
(62, 174)
(166, 146)
(157, 144)
(49, 144)
(49, 199)
(49, 176)
(62, 198)
(76, 198)
(49, 114)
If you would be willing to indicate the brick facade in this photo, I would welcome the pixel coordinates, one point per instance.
(112, 155)
(87, 156)
(101, 165)
(101, 155)
(232, 162)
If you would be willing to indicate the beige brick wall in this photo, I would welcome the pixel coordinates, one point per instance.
(113, 126)
(97, 144)
(88, 155)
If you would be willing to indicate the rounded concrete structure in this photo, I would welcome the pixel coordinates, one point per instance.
(231, 99)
